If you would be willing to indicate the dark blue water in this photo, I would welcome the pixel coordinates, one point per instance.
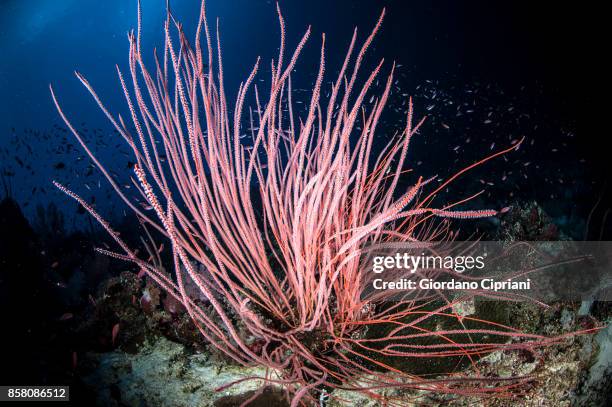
(486, 73)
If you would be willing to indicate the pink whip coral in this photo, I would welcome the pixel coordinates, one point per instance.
(270, 229)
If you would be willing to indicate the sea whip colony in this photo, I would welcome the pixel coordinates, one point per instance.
(271, 230)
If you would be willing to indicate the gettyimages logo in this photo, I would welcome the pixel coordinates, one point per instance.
(412, 263)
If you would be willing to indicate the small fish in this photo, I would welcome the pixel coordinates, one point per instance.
(115, 332)
(66, 316)
(145, 206)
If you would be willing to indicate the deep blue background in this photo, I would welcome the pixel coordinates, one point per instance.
(43, 41)
(515, 44)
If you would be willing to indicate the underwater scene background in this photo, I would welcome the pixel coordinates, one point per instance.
(486, 74)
